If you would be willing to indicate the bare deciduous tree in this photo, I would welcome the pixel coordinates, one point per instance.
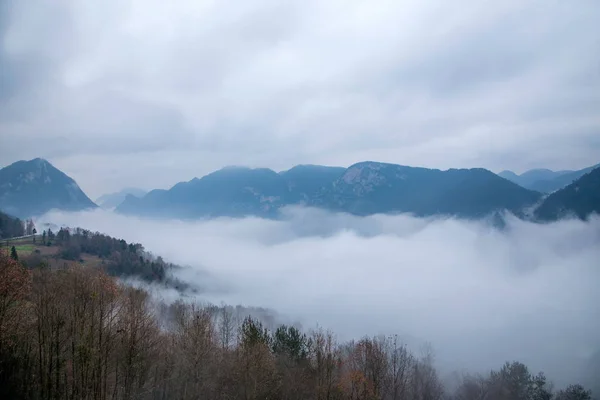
(75, 333)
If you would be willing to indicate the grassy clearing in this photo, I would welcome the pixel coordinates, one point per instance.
(24, 247)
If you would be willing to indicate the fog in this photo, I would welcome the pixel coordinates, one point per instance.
(480, 296)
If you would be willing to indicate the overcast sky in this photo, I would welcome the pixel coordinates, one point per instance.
(150, 92)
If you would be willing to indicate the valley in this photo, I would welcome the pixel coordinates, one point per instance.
(299, 200)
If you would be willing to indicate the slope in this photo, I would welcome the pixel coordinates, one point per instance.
(561, 181)
(580, 199)
(305, 181)
(371, 187)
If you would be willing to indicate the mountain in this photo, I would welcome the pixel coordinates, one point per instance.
(29, 188)
(528, 178)
(372, 187)
(545, 180)
(305, 181)
(580, 199)
(231, 191)
(112, 200)
(363, 189)
(511, 176)
(559, 182)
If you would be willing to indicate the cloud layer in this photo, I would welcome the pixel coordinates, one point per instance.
(157, 92)
(479, 295)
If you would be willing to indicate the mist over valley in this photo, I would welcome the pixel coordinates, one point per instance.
(299, 200)
(479, 295)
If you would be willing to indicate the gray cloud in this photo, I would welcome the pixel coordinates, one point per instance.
(479, 295)
(200, 84)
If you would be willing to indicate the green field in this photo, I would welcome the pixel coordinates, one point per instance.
(24, 248)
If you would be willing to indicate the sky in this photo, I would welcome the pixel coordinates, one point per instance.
(478, 295)
(147, 93)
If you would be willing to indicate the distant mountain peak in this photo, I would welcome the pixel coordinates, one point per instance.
(365, 174)
(545, 180)
(39, 164)
(112, 200)
(34, 187)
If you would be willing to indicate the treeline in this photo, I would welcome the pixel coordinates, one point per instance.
(119, 257)
(10, 226)
(75, 333)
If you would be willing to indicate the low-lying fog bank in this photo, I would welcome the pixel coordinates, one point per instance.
(480, 296)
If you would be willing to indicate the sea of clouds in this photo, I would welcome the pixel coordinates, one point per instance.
(479, 295)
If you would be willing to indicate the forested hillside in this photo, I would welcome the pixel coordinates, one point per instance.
(561, 181)
(73, 332)
(10, 226)
(95, 250)
(580, 199)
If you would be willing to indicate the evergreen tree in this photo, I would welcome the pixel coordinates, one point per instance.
(541, 389)
(574, 392)
(289, 341)
(13, 254)
(253, 333)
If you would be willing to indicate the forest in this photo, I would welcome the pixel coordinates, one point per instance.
(74, 332)
(115, 256)
(10, 226)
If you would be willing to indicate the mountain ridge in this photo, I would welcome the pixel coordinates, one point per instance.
(364, 188)
(545, 180)
(580, 199)
(371, 187)
(112, 200)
